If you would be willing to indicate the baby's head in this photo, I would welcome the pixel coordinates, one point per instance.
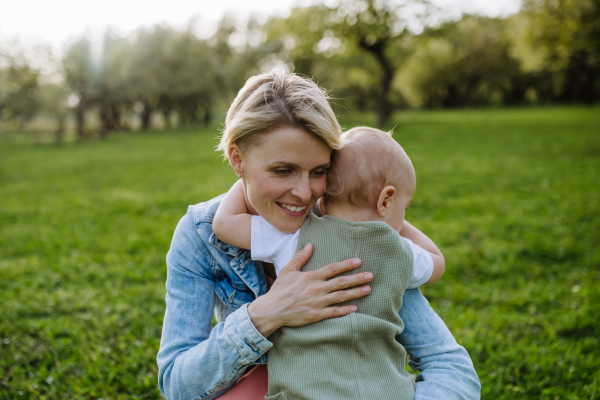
(370, 177)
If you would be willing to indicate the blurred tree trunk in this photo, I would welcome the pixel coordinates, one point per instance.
(387, 75)
(188, 108)
(59, 133)
(580, 80)
(146, 116)
(207, 116)
(104, 122)
(80, 120)
(115, 114)
(451, 100)
(109, 119)
(167, 118)
(207, 113)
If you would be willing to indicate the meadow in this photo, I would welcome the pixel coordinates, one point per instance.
(511, 196)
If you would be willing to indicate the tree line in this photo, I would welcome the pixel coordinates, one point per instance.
(366, 53)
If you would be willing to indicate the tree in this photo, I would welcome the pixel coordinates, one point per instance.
(18, 91)
(463, 63)
(379, 28)
(198, 84)
(112, 91)
(53, 99)
(149, 72)
(564, 35)
(79, 77)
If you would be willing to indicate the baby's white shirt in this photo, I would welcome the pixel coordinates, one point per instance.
(271, 245)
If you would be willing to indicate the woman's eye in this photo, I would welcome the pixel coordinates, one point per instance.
(320, 172)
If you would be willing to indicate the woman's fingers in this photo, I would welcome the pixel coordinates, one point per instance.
(344, 282)
(300, 258)
(300, 299)
(331, 270)
(344, 295)
(334, 312)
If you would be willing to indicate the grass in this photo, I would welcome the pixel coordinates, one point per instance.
(510, 196)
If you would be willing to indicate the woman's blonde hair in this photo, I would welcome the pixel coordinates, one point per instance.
(277, 99)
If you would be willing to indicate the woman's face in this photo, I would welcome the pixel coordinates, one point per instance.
(284, 175)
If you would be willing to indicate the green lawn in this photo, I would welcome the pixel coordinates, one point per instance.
(510, 196)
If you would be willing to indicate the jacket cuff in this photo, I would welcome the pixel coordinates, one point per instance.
(244, 336)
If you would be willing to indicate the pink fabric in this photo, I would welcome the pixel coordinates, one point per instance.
(254, 384)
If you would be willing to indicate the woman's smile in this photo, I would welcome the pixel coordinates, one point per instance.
(294, 210)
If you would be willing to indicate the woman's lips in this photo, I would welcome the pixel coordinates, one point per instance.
(292, 209)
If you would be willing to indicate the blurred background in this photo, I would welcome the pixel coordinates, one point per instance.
(110, 113)
(94, 69)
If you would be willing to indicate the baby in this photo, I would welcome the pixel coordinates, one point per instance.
(370, 184)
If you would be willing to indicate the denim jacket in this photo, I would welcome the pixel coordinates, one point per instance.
(207, 277)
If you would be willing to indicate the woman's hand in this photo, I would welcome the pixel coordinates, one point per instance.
(299, 298)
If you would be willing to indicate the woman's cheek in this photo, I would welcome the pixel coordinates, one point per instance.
(321, 185)
(273, 189)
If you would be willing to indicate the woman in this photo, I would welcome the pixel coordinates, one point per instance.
(269, 139)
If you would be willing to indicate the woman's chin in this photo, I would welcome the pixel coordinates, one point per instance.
(288, 224)
(289, 227)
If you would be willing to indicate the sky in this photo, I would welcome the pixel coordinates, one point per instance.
(29, 27)
(55, 21)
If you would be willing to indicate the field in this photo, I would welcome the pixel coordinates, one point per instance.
(512, 198)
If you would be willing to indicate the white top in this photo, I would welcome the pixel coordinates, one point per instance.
(270, 245)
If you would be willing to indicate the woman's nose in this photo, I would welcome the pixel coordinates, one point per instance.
(302, 190)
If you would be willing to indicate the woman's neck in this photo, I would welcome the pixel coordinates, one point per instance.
(251, 210)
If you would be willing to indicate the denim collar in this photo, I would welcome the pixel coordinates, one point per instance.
(250, 272)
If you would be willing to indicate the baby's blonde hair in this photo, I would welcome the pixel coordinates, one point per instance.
(277, 99)
(368, 161)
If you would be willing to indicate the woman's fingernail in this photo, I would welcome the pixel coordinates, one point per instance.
(356, 261)
(366, 289)
(369, 276)
(353, 308)
(308, 246)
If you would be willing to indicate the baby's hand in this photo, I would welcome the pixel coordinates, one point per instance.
(419, 238)
(232, 222)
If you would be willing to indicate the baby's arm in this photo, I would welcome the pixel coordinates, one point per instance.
(419, 238)
(232, 223)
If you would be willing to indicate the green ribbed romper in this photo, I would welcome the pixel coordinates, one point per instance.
(355, 356)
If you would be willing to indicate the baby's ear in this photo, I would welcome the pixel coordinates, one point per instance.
(321, 204)
(385, 200)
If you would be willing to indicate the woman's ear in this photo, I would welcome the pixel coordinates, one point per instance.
(235, 158)
(385, 200)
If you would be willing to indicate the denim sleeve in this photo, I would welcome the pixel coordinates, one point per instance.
(446, 370)
(195, 360)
